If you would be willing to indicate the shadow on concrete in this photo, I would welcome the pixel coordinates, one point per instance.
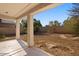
(23, 44)
(32, 51)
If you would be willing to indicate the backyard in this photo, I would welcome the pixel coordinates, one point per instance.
(55, 31)
(57, 44)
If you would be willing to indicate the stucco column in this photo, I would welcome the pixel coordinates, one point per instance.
(30, 34)
(17, 29)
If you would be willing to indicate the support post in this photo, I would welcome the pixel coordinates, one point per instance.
(17, 29)
(30, 32)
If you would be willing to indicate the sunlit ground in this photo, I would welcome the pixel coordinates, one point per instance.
(57, 44)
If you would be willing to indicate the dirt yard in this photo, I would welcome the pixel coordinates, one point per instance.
(58, 44)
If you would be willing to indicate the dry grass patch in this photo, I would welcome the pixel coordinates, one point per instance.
(56, 45)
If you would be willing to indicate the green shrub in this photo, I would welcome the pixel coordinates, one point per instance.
(2, 36)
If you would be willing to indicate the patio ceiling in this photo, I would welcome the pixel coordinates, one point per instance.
(18, 10)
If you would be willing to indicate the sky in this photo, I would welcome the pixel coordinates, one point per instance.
(59, 13)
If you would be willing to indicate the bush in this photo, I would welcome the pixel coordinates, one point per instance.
(2, 36)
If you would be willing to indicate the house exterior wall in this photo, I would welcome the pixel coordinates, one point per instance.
(6, 28)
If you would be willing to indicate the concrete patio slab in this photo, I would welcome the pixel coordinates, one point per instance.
(19, 48)
(11, 47)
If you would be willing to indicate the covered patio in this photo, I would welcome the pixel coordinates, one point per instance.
(18, 11)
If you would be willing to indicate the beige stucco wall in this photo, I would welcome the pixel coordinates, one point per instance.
(7, 28)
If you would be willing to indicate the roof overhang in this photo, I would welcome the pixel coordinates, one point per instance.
(18, 10)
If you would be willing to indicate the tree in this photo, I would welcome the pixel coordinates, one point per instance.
(56, 23)
(69, 25)
(50, 23)
(53, 26)
(37, 26)
(74, 12)
(76, 28)
(49, 27)
(23, 25)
